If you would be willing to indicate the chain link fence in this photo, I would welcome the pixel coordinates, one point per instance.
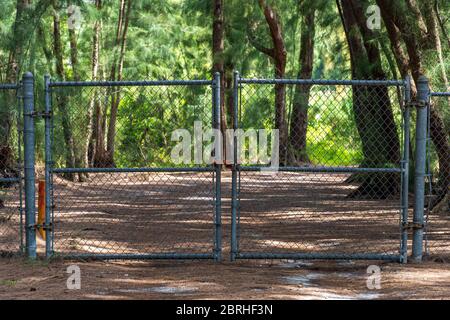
(339, 190)
(437, 232)
(117, 190)
(131, 173)
(11, 236)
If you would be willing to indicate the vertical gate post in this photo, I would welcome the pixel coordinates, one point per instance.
(48, 166)
(218, 167)
(234, 195)
(420, 166)
(405, 169)
(29, 142)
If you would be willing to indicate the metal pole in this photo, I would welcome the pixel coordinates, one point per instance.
(405, 170)
(218, 166)
(234, 201)
(29, 141)
(48, 167)
(419, 178)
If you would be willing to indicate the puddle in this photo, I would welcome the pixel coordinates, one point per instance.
(292, 264)
(163, 289)
(305, 280)
(348, 275)
(323, 294)
(345, 263)
(368, 296)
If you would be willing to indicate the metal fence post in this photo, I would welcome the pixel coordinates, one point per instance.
(234, 201)
(218, 166)
(48, 166)
(29, 142)
(420, 164)
(405, 170)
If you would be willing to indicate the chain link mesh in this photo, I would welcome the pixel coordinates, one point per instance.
(10, 171)
(437, 232)
(133, 210)
(324, 130)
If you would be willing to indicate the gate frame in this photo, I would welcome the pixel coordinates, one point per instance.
(20, 127)
(431, 95)
(215, 169)
(403, 169)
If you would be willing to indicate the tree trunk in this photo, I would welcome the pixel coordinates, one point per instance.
(416, 42)
(299, 117)
(218, 61)
(12, 71)
(124, 18)
(434, 38)
(279, 55)
(61, 100)
(74, 54)
(386, 129)
(441, 23)
(94, 105)
(218, 56)
(371, 105)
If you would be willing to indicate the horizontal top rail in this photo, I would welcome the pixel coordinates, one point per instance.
(320, 169)
(9, 180)
(129, 83)
(324, 82)
(440, 94)
(8, 86)
(133, 170)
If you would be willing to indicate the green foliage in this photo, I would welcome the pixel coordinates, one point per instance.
(171, 39)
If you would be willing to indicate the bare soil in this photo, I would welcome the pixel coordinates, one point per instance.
(167, 212)
(21, 279)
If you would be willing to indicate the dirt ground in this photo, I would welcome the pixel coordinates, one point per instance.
(151, 213)
(22, 279)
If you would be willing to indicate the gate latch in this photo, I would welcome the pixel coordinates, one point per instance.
(412, 226)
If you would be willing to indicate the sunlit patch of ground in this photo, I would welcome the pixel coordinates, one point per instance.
(342, 280)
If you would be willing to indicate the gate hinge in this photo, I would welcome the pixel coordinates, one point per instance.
(412, 226)
(416, 104)
(37, 114)
(41, 226)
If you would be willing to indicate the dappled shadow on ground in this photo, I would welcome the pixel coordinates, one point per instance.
(138, 213)
(310, 212)
(20, 279)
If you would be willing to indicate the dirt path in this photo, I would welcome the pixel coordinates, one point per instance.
(21, 279)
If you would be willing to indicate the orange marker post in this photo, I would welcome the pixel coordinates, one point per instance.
(41, 209)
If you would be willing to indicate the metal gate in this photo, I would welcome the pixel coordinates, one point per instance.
(112, 189)
(11, 166)
(335, 184)
(437, 218)
(341, 188)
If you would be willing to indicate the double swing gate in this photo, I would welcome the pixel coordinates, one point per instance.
(319, 169)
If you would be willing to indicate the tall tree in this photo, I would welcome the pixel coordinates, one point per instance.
(16, 52)
(94, 105)
(61, 100)
(104, 155)
(218, 37)
(371, 104)
(299, 116)
(419, 41)
(278, 54)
